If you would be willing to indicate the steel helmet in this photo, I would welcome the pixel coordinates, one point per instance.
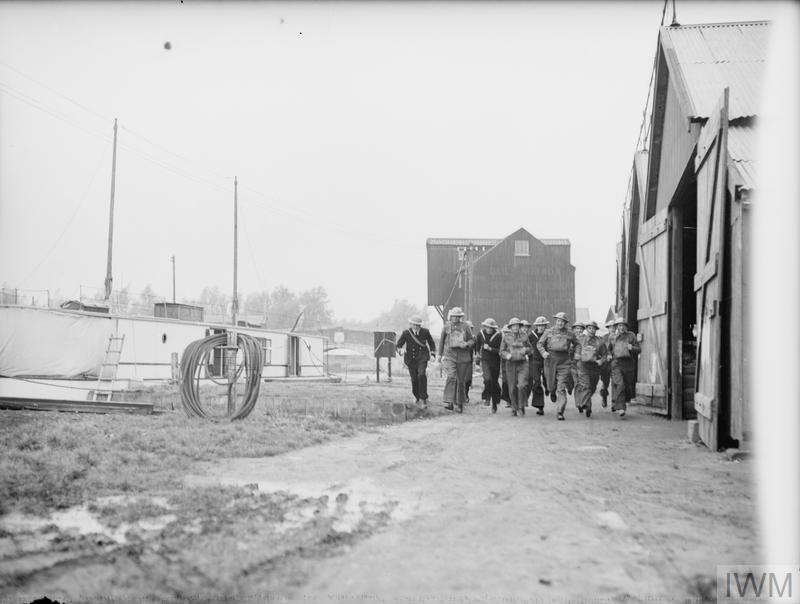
(455, 312)
(541, 321)
(620, 321)
(525, 323)
(562, 316)
(490, 323)
(579, 324)
(592, 324)
(514, 321)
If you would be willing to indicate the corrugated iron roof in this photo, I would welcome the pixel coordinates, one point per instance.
(741, 153)
(489, 242)
(713, 56)
(463, 241)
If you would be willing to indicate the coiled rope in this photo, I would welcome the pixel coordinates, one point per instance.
(195, 361)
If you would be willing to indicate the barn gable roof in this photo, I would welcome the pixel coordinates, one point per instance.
(706, 58)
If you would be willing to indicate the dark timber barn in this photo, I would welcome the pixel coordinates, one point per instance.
(517, 276)
(682, 267)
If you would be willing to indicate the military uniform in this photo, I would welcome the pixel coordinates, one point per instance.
(573, 370)
(419, 346)
(605, 368)
(560, 344)
(623, 370)
(536, 372)
(591, 354)
(515, 348)
(490, 364)
(456, 361)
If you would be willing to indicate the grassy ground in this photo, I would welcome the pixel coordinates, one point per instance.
(55, 460)
(158, 538)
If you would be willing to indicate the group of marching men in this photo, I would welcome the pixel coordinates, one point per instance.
(532, 360)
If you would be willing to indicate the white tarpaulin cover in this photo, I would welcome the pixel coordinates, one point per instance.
(40, 342)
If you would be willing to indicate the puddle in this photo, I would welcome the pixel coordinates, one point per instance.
(80, 520)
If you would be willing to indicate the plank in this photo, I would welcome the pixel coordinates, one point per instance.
(704, 405)
(30, 404)
(651, 311)
(651, 390)
(653, 230)
(708, 272)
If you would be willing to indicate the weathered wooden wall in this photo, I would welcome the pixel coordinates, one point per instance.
(505, 285)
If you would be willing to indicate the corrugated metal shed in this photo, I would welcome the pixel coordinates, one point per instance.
(481, 242)
(712, 56)
(741, 151)
(488, 242)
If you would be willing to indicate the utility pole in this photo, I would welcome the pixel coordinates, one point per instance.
(109, 280)
(235, 304)
(173, 278)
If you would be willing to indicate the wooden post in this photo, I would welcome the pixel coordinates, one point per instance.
(377, 369)
(389, 378)
(675, 398)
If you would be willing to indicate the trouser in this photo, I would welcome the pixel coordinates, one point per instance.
(573, 376)
(623, 376)
(605, 375)
(504, 395)
(517, 372)
(557, 368)
(455, 387)
(419, 379)
(468, 383)
(588, 376)
(536, 375)
(491, 376)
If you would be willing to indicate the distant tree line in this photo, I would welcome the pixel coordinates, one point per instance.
(280, 308)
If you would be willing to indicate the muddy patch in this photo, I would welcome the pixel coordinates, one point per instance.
(202, 543)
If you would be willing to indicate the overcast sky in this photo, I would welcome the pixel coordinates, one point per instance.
(356, 130)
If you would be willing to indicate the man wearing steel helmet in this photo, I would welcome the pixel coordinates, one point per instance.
(557, 345)
(525, 330)
(536, 365)
(591, 353)
(514, 349)
(577, 329)
(623, 367)
(417, 346)
(487, 346)
(605, 368)
(455, 352)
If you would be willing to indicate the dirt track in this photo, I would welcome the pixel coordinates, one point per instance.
(496, 508)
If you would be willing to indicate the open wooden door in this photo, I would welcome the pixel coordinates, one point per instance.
(652, 317)
(711, 167)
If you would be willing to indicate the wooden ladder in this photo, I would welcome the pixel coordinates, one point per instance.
(108, 370)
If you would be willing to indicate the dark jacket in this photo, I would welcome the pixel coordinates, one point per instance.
(415, 353)
(494, 344)
(534, 338)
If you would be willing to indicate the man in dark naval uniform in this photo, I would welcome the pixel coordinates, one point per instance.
(417, 346)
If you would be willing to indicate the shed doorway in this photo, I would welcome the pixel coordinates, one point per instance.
(683, 310)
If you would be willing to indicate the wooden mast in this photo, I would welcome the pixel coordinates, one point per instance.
(109, 279)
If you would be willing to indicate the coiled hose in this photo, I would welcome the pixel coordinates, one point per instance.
(196, 358)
